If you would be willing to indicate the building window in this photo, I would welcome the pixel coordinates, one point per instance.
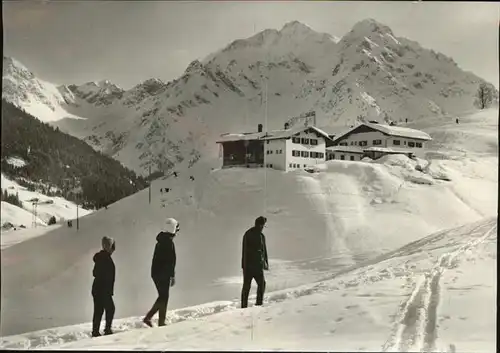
(404, 143)
(305, 165)
(352, 158)
(355, 143)
(314, 142)
(281, 151)
(332, 156)
(304, 154)
(419, 144)
(411, 144)
(363, 143)
(343, 144)
(305, 141)
(295, 139)
(267, 152)
(396, 142)
(277, 151)
(295, 153)
(342, 157)
(320, 155)
(377, 142)
(291, 165)
(313, 154)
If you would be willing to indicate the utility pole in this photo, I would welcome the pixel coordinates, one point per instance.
(77, 218)
(149, 184)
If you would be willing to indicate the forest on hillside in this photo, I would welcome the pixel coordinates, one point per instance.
(58, 164)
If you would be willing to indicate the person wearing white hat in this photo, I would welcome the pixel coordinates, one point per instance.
(163, 270)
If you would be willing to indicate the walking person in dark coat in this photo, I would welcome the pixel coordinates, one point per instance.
(163, 271)
(254, 261)
(103, 287)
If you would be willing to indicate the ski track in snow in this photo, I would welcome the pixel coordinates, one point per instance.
(416, 326)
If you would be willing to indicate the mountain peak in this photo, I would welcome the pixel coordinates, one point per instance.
(294, 26)
(370, 25)
(11, 65)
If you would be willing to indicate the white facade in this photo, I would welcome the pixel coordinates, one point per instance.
(305, 150)
(296, 152)
(275, 154)
(378, 139)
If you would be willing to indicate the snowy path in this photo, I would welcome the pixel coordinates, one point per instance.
(326, 314)
(416, 329)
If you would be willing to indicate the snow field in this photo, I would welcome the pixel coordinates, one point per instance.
(47, 207)
(413, 287)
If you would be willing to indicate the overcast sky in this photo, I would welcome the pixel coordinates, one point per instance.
(128, 42)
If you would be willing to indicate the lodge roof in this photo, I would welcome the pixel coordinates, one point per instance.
(391, 131)
(386, 150)
(349, 149)
(269, 135)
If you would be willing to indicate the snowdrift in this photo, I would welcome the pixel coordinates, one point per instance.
(423, 296)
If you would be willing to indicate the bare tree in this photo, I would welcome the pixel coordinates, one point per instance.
(484, 96)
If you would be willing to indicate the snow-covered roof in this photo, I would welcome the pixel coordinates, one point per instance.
(393, 131)
(241, 137)
(281, 134)
(387, 150)
(349, 149)
(400, 131)
(336, 130)
(269, 135)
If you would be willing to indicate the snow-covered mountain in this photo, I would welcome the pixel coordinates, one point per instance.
(98, 93)
(39, 98)
(368, 73)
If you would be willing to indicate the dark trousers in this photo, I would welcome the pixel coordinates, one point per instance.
(103, 303)
(160, 305)
(248, 276)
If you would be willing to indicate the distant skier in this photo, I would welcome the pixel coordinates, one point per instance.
(175, 174)
(163, 270)
(191, 178)
(254, 261)
(457, 121)
(103, 287)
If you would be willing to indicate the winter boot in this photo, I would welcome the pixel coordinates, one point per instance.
(147, 322)
(162, 314)
(108, 331)
(96, 334)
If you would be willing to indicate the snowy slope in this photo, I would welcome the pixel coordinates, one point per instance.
(17, 216)
(369, 73)
(426, 296)
(47, 207)
(330, 220)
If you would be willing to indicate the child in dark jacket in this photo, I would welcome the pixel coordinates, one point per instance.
(103, 286)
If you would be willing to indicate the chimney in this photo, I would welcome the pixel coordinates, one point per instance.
(259, 128)
(287, 126)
